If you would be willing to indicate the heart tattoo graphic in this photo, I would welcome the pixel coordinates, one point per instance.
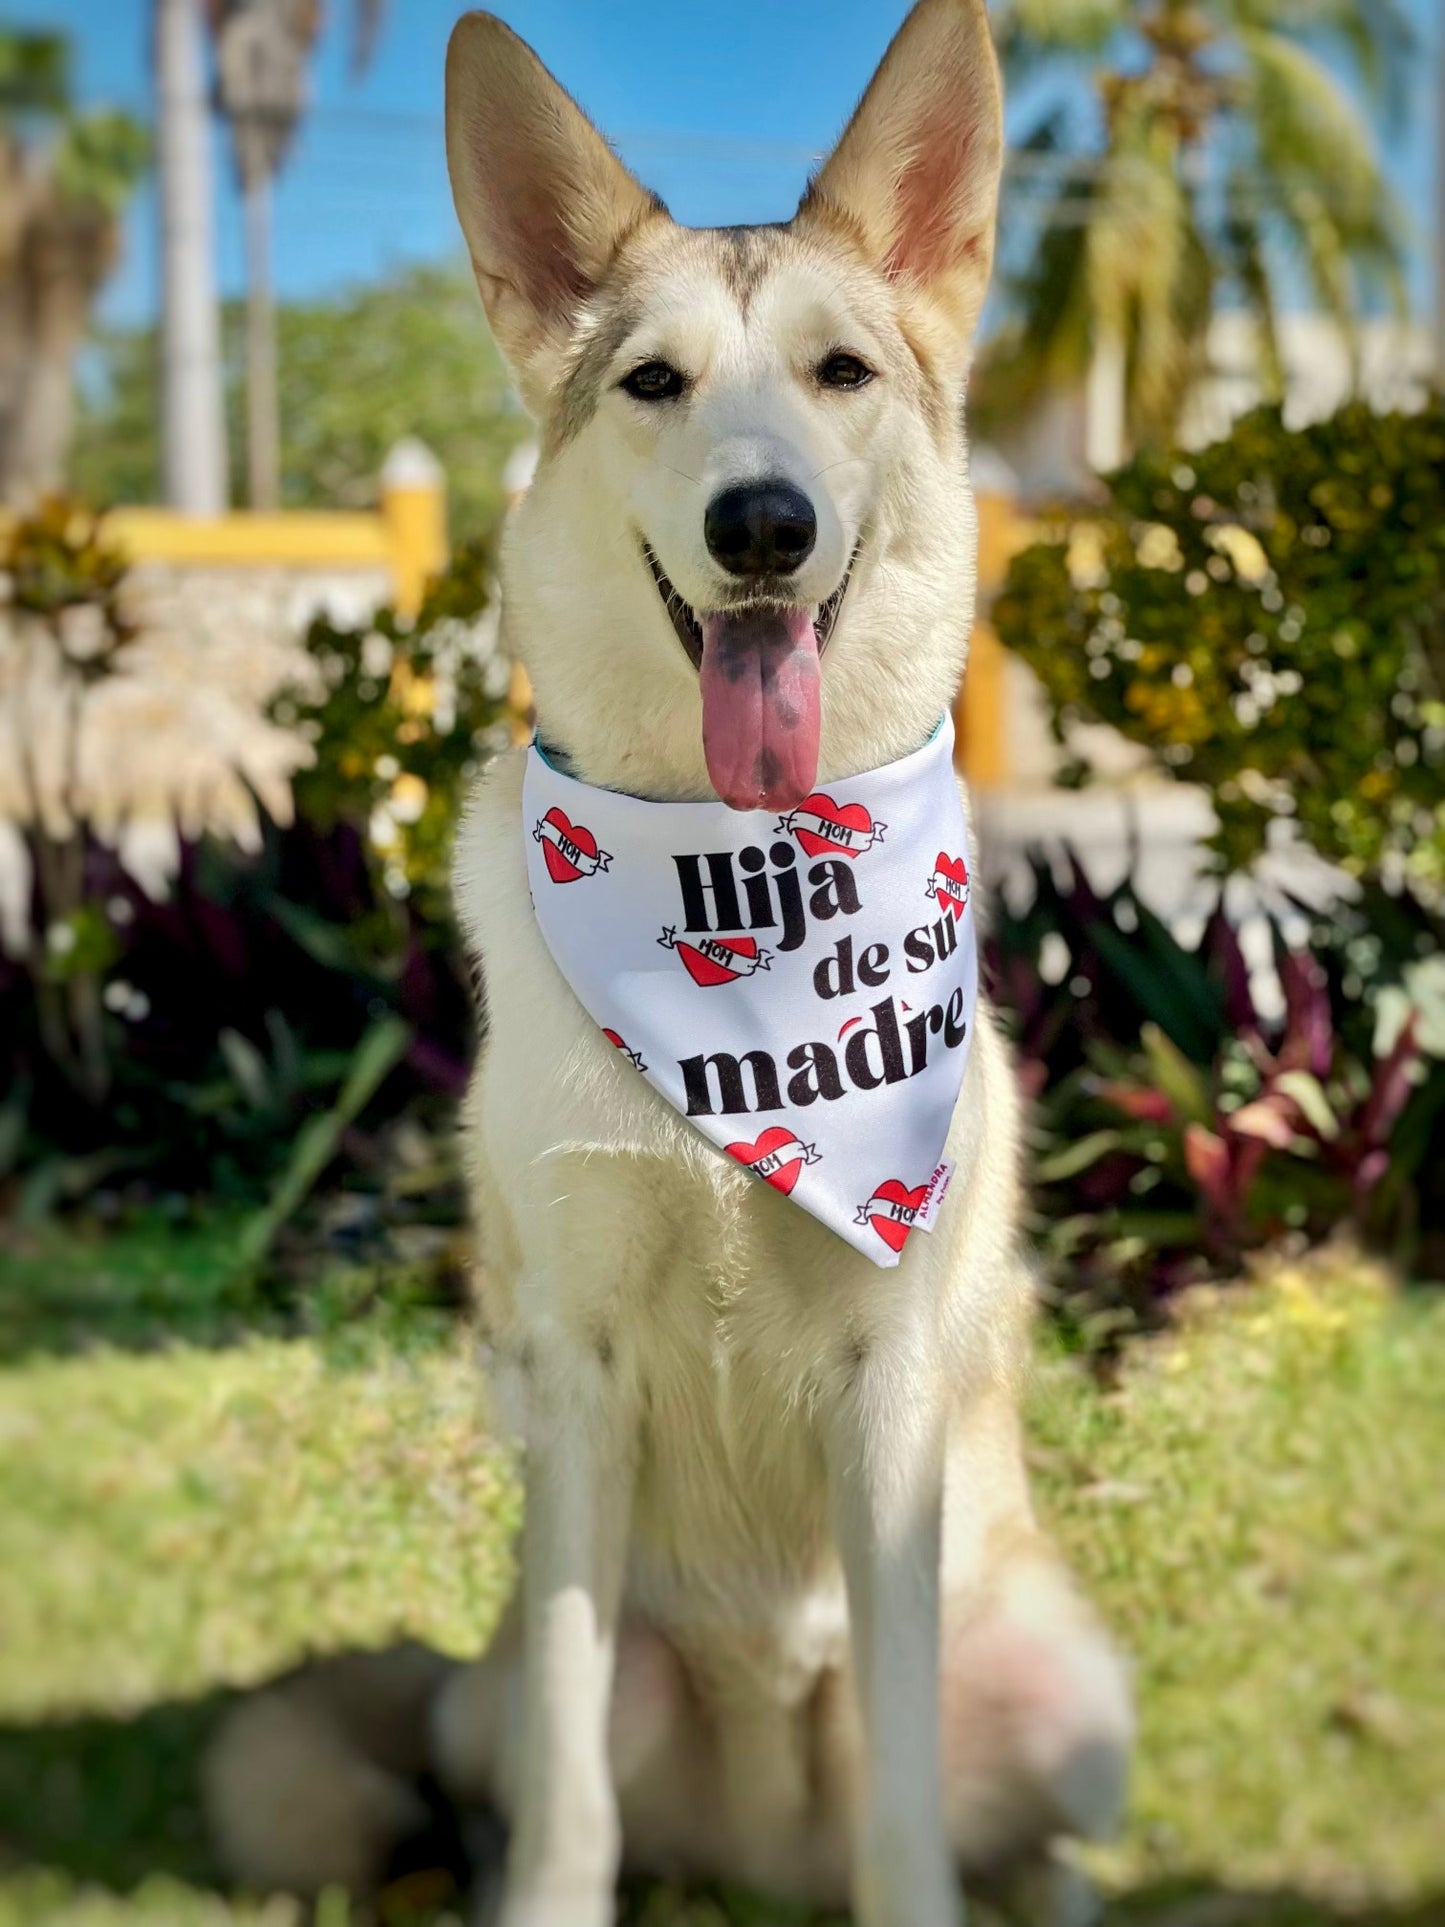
(717, 960)
(948, 886)
(569, 849)
(777, 1157)
(824, 827)
(634, 1057)
(892, 1211)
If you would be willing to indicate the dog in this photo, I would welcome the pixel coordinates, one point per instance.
(785, 1615)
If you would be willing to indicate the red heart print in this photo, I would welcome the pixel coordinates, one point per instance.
(703, 970)
(620, 1043)
(894, 1234)
(786, 1176)
(851, 816)
(955, 868)
(560, 868)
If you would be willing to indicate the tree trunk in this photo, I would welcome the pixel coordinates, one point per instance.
(55, 271)
(47, 414)
(1106, 406)
(193, 414)
(63, 263)
(263, 418)
(15, 195)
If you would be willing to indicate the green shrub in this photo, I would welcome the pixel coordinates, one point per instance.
(400, 716)
(288, 1012)
(1179, 1128)
(1267, 617)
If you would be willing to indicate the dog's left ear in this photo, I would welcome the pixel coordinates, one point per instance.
(914, 180)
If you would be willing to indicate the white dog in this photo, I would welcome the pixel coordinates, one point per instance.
(785, 1615)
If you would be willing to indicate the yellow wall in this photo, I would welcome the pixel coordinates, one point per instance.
(981, 718)
(407, 537)
(303, 538)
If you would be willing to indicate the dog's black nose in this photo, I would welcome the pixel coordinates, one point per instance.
(761, 528)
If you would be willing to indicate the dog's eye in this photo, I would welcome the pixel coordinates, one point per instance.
(654, 381)
(844, 371)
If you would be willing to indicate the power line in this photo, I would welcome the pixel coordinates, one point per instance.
(357, 125)
(733, 148)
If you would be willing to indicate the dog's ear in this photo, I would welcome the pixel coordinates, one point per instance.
(542, 199)
(914, 179)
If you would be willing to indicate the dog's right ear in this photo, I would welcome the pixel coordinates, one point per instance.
(542, 199)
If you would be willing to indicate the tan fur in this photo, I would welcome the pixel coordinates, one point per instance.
(309, 1782)
(769, 1485)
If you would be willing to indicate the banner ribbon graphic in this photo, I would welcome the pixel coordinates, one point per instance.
(850, 837)
(769, 1163)
(735, 963)
(940, 886)
(586, 862)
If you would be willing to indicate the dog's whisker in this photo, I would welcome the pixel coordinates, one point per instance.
(842, 462)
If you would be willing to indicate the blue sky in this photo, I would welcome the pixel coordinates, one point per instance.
(721, 109)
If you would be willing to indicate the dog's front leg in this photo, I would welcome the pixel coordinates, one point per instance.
(566, 1845)
(885, 1468)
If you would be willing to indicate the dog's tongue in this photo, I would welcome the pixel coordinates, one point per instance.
(760, 709)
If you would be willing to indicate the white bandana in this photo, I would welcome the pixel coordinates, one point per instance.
(801, 987)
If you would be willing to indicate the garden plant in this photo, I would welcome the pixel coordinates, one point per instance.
(1266, 617)
(296, 985)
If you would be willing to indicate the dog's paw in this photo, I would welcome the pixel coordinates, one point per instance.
(1038, 1724)
(553, 1905)
(1046, 1889)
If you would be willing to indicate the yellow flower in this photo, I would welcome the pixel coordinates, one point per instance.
(1086, 557)
(408, 797)
(414, 695)
(1158, 548)
(1243, 550)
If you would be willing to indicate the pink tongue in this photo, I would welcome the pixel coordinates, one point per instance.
(760, 706)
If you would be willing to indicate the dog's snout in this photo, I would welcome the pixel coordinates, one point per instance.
(761, 528)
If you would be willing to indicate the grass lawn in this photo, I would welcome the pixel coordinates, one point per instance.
(1258, 1503)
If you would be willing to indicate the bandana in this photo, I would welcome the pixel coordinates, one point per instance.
(801, 987)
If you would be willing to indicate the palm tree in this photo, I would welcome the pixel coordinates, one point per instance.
(1219, 158)
(64, 179)
(262, 48)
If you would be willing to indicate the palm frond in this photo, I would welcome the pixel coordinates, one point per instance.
(1047, 337)
(1317, 171)
(1072, 26)
(1378, 36)
(1245, 255)
(1032, 33)
(34, 72)
(98, 160)
(1148, 272)
(366, 19)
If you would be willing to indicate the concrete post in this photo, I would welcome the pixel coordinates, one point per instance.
(981, 720)
(414, 508)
